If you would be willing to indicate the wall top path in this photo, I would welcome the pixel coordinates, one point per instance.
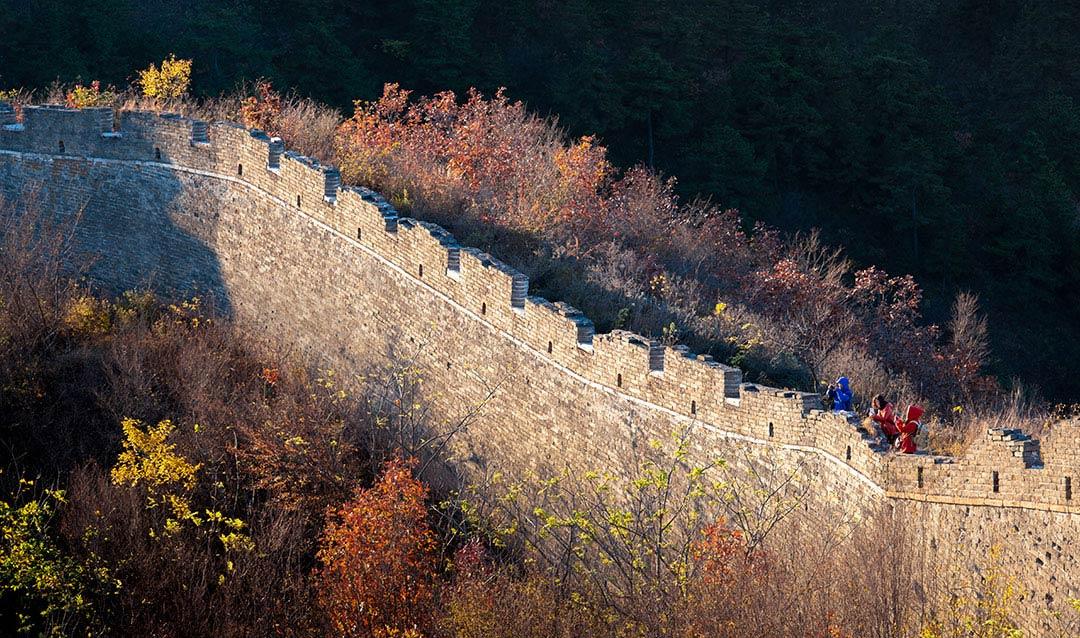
(1004, 468)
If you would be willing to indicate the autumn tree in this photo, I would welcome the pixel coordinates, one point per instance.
(727, 584)
(302, 452)
(263, 109)
(803, 297)
(487, 156)
(44, 590)
(168, 81)
(377, 558)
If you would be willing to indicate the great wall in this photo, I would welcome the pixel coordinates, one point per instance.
(189, 206)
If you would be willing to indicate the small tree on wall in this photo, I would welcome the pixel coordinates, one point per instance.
(84, 97)
(169, 81)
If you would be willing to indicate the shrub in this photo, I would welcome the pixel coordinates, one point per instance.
(169, 81)
(88, 316)
(301, 452)
(47, 591)
(491, 157)
(804, 299)
(489, 169)
(148, 459)
(262, 110)
(377, 558)
(82, 97)
(489, 600)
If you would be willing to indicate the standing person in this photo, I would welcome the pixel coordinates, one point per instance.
(908, 427)
(882, 413)
(840, 395)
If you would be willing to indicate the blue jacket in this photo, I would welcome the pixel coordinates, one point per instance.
(841, 395)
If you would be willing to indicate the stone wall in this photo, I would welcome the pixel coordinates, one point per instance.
(186, 206)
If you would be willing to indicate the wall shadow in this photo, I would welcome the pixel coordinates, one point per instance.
(136, 226)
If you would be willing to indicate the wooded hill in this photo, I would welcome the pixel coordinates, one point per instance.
(938, 138)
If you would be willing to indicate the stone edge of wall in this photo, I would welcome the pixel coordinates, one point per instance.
(1005, 468)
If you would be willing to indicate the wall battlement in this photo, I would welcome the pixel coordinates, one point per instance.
(1004, 468)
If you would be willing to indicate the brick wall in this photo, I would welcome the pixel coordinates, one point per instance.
(187, 206)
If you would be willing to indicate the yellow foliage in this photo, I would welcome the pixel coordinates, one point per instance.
(82, 97)
(148, 459)
(236, 542)
(132, 305)
(87, 316)
(169, 81)
(38, 575)
(187, 313)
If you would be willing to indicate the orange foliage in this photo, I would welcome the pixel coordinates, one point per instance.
(728, 581)
(719, 554)
(489, 156)
(378, 558)
(489, 162)
(262, 110)
(270, 376)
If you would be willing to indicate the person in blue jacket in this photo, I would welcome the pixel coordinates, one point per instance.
(840, 395)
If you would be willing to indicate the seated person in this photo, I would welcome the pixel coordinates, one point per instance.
(882, 413)
(908, 427)
(840, 395)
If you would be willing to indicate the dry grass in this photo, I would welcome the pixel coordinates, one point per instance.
(1018, 410)
(309, 127)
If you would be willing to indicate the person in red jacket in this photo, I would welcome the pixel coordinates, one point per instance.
(882, 413)
(908, 427)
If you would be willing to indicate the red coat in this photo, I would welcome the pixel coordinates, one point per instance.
(908, 427)
(886, 420)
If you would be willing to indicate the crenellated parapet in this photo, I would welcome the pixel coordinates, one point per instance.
(1003, 467)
